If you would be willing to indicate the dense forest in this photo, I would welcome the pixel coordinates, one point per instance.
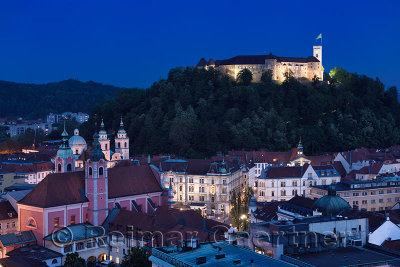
(196, 113)
(33, 101)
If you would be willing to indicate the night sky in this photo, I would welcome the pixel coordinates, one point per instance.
(133, 44)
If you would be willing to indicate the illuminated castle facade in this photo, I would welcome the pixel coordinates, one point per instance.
(299, 67)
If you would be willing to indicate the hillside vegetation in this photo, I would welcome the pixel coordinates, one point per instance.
(32, 101)
(197, 113)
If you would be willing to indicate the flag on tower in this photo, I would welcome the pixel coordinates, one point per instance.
(319, 37)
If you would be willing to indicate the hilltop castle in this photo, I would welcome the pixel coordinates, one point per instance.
(300, 67)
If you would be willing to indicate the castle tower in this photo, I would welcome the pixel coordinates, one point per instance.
(104, 141)
(122, 142)
(96, 184)
(317, 52)
(65, 161)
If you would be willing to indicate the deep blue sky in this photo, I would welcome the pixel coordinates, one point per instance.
(133, 44)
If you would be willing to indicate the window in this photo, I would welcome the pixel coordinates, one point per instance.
(201, 189)
(90, 171)
(101, 171)
(212, 181)
(31, 223)
(355, 203)
(8, 225)
(202, 181)
(224, 182)
(126, 144)
(283, 184)
(180, 188)
(201, 198)
(72, 219)
(373, 201)
(76, 151)
(261, 193)
(59, 167)
(373, 193)
(80, 246)
(224, 191)
(364, 202)
(69, 167)
(119, 145)
(294, 183)
(191, 180)
(87, 217)
(283, 193)
(389, 200)
(56, 221)
(68, 249)
(191, 198)
(304, 183)
(356, 194)
(191, 188)
(272, 193)
(381, 200)
(381, 192)
(389, 191)
(106, 147)
(212, 199)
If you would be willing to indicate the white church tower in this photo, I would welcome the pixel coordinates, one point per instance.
(104, 142)
(122, 142)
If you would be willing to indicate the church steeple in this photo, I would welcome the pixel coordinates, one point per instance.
(104, 141)
(122, 142)
(96, 180)
(65, 161)
(300, 148)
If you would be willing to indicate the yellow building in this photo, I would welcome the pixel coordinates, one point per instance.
(299, 67)
(370, 195)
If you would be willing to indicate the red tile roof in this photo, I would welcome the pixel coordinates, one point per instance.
(7, 212)
(164, 220)
(266, 156)
(286, 172)
(28, 168)
(69, 188)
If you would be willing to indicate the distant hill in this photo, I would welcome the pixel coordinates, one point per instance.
(196, 113)
(32, 101)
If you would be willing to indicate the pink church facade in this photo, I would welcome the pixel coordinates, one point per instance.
(69, 197)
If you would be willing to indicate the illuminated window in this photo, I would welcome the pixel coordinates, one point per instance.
(73, 219)
(117, 260)
(117, 250)
(87, 217)
(56, 221)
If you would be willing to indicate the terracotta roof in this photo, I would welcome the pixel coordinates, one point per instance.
(69, 188)
(7, 212)
(321, 159)
(164, 220)
(392, 244)
(27, 168)
(271, 157)
(286, 172)
(268, 211)
(340, 169)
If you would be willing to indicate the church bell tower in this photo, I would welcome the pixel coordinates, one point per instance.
(122, 142)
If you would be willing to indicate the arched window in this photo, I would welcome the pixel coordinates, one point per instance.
(69, 167)
(54, 261)
(90, 171)
(119, 145)
(59, 167)
(106, 147)
(31, 223)
(126, 145)
(101, 171)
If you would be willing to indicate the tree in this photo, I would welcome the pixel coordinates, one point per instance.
(244, 77)
(240, 201)
(73, 260)
(267, 76)
(136, 257)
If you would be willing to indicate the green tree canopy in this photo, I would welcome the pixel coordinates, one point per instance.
(244, 77)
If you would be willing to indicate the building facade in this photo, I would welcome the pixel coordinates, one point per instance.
(371, 195)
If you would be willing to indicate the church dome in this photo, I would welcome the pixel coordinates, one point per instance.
(76, 140)
(331, 204)
(65, 153)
